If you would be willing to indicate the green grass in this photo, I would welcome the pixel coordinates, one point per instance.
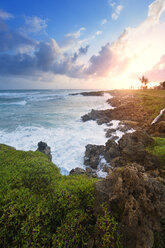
(158, 149)
(152, 101)
(38, 206)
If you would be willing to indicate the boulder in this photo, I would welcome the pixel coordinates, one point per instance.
(102, 116)
(111, 150)
(158, 129)
(44, 148)
(91, 173)
(77, 171)
(136, 200)
(88, 172)
(132, 147)
(92, 155)
(109, 132)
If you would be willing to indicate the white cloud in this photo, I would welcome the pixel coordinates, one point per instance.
(117, 12)
(76, 34)
(114, 16)
(137, 50)
(34, 24)
(111, 3)
(104, 21)
(5, 15)
(99, 32)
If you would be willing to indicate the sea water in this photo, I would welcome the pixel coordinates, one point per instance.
(54, 117)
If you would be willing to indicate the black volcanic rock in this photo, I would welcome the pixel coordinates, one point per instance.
(44, 148)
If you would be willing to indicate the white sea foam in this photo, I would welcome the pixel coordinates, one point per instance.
(56, 123)
(100, 172)
(114, 124)
(67, 145)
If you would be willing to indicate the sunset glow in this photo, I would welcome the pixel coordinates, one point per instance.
(109, 50)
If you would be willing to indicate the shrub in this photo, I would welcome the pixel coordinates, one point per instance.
(106, 230)
(37, 203)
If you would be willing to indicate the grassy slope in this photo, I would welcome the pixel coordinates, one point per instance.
(158, 149)
(38, 205)
(151, 100)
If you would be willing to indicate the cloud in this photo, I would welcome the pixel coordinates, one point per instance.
(76, 34)
(135, 51)
(81, 51)
(117, 12)
(107, 62)
(104, 21)
(5, 15)
(13, 40)
(46, 58)
(155, 10)
(34, 24)
(157, 73)
(99, 32)
(111, 3)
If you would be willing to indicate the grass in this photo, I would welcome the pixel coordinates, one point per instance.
(151, 100)
(158, 149)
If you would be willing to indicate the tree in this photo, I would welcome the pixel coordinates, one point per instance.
(144, 80)
(163, 85)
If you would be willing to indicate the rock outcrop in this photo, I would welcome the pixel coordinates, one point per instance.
(77, 171)
(158, 129)
(44, 148)
(130, 148)
(136, 200)
(92, 93)
(92, 155)
(133, 148)
(88, 172)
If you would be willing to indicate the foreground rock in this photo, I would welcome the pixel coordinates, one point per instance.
(158, 129)
(136, 200)
(131, 148)
(92, 155)
(44, 148)
(88, 172)
(77, 171)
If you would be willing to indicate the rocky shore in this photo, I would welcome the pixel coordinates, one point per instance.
(134, 188)
(130, 110)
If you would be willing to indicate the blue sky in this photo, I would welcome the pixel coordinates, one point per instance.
(79, 43)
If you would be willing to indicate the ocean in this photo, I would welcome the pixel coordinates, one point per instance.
(54, 117)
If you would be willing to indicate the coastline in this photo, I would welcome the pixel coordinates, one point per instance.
(128, 115)
(130, 201)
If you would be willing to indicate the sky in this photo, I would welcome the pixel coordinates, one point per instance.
(81, 44)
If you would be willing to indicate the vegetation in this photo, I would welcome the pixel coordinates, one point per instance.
(158, 149)
(152, 101)
(38, 206)
(159, 237)
(106, 227)
(144, 82)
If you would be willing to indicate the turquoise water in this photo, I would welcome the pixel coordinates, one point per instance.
(53, 116)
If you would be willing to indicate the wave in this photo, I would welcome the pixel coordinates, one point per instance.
(67, 142)
(17, 94)
(22, 103)
(47, 97)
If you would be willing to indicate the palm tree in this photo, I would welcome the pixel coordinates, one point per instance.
(144, 80)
